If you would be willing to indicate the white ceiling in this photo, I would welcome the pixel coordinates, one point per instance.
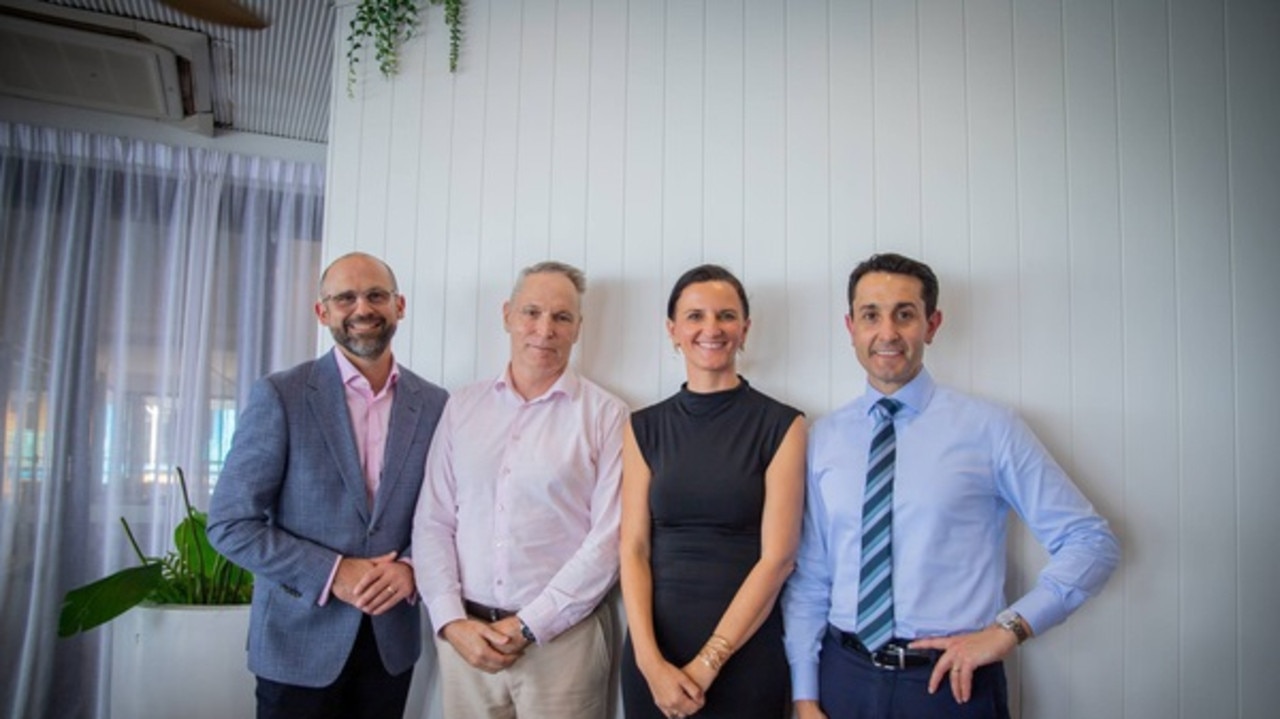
(274, 81)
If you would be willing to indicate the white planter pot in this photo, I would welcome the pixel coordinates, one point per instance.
(187, 661)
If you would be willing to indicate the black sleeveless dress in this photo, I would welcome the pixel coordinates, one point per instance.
(707, 454)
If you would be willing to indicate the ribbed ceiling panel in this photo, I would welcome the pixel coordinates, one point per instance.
(274, 81)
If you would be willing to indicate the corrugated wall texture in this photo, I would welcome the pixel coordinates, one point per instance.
(1097, 183)
(274, 81)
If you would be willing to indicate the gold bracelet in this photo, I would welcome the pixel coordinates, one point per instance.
(715, 652)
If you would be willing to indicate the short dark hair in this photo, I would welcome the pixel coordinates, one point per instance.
(706, 273)
(899, 265)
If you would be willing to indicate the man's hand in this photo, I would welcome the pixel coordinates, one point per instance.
(373, 585)
(480, 645)
(964, 653)
(511, 629)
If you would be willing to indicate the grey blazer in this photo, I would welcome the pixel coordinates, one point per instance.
(291, 498)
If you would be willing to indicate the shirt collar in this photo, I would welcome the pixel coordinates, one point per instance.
(351, 376)
(914, 395)
(565, 386)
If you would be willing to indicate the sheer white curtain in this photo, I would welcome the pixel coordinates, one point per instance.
(142, 289)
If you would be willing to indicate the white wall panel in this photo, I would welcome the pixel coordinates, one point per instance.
(992, 286)
(765, 240)
(1096, 334)
(606, 193)
(1150, 377)
(944, 177)
(1206, 555)
(1095, 182)
(723, 132)
(852, 187)
(1253, 99)
(785, 284)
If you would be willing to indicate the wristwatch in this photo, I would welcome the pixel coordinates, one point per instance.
(526, 632)
(1011, 620)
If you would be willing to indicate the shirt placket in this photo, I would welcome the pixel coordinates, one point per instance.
(503, 588)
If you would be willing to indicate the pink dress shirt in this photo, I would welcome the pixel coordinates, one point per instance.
(370, 417)
(524, 496)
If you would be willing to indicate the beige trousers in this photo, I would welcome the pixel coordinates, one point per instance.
(566, 678)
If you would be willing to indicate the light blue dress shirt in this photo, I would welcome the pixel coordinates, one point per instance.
(962, 464)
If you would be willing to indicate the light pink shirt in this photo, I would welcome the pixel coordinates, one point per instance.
(524, 495)
(370, 418)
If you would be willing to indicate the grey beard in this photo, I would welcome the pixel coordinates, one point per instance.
(370, 348)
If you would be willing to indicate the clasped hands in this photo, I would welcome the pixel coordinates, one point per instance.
(680, 692)
(487, 646)
(373, 585)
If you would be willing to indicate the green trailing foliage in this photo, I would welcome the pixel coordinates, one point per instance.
(387, 25)
(191, 573)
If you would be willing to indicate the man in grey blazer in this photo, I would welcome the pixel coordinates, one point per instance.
(316, 499)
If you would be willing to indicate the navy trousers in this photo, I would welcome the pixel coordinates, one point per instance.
(851, 687)
(364, 689)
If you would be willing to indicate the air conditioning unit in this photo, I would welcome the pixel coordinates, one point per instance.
(101, 62)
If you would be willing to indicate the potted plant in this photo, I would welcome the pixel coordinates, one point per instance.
(192, 573)
(193, 619)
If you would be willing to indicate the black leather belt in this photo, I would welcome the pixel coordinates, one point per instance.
(894, 655)
(487, 613)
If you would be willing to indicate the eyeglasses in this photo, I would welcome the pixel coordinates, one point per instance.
(376, 297)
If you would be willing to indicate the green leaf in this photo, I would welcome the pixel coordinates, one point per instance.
(107, 598)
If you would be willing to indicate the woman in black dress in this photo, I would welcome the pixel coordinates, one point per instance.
(712, 498)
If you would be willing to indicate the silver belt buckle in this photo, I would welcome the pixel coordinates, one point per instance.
(897, 652)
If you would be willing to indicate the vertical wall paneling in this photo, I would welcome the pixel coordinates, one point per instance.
(1150, 372)
(1253, 94)
(684, 118)
(851, 178)
(793, 298)
(645, 350)
(403, 141)
(608, 306)
(498, 71)
(944, 177)
(535, 133)
(1044, 296)
(342, 157)
(767, 76)
(570, 131)
(992, 159)
(722, 131)
(896, 104)
(472, 293)
(1096, 333)
(1095, 182)
(1209, 572)
(443, 346)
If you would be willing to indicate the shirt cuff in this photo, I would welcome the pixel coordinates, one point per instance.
(804, 681)
(444, 611)
(328, 586)
(1041, 609)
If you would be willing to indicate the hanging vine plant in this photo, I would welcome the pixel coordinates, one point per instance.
(388, 24)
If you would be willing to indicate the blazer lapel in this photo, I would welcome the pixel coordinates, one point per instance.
(406, 412)
(328, 404)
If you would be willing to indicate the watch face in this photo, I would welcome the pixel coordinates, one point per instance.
(1006, 617)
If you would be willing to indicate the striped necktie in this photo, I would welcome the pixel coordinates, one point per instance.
(875, 576)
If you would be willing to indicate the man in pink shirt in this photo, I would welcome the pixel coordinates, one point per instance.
(316, 499)
(516, 532)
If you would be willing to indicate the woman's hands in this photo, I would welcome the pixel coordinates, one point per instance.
(675, 692)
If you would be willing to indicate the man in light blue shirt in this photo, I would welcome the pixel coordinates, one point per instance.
(955, 467)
